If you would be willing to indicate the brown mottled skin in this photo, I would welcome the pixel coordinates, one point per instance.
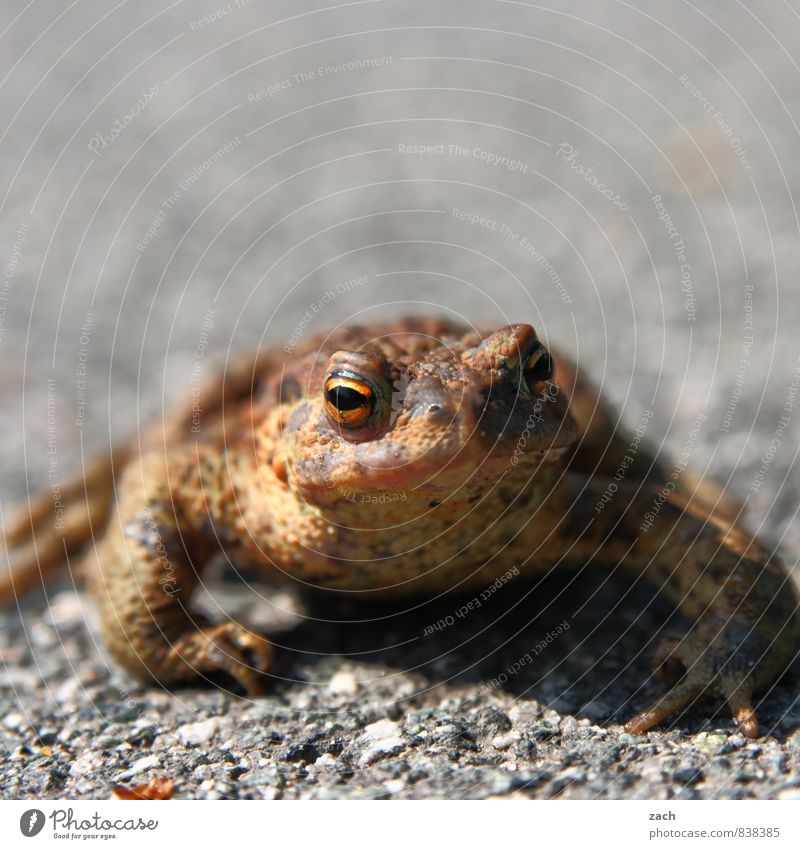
(469, 460)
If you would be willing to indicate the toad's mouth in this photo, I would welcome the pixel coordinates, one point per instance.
(391, 477)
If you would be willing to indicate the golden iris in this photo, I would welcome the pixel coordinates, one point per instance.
(539, 366)
(349, 401)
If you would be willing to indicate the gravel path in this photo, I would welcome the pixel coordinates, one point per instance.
(360, 720)
(177, 183)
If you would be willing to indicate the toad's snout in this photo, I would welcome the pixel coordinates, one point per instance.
(427, 397)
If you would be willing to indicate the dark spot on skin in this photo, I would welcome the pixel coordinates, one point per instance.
(290, 390)
(689, 532)
(434, 503)
(508, 496)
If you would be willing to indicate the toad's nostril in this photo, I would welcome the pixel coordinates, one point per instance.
(434, 410)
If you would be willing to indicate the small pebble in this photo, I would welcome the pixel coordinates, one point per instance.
(197, 733)
(140, 766)
(710, 744)
(688, 775)
(504, 741)
(343, 683)
(379, 739)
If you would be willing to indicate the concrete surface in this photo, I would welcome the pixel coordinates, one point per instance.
(180, 182)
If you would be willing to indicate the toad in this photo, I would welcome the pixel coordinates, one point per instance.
(413, 458)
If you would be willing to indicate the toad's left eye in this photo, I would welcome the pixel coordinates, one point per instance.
(539, 366)
(349, 401)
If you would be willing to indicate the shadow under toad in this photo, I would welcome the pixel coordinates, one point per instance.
(580, 643)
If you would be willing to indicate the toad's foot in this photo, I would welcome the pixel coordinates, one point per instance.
(715, 659)
(148, 568)
(743, 605)
(228, 648)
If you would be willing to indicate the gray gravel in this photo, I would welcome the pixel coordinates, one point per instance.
(112, 259)
(365, 721)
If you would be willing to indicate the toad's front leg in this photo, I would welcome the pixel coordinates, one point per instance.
(739, 596)
(147, 569)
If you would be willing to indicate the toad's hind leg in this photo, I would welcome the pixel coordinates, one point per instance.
(146, 571)
(741, 602)
(41, 534)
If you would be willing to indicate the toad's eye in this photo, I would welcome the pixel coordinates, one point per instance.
(348, 400)
(539, 366)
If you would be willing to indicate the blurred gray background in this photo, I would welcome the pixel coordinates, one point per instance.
(182, 181)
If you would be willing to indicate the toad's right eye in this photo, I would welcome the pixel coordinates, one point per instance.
(349, 400)
(539, 366)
